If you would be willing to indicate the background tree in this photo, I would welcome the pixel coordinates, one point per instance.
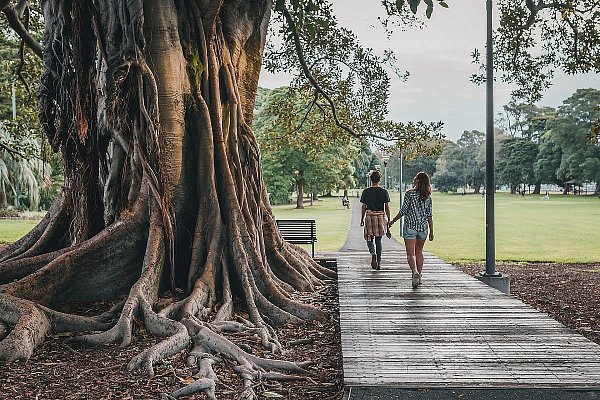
(472, 145)
(516, 158)
(25, 171)
(151, 106)
(364, 162)
(462, 164)
(311, 150)
(536, 37)
(529, 122)
(451, 169)
(566, 149)
(411, 166)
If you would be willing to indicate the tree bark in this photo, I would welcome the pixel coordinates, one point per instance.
(150, 104)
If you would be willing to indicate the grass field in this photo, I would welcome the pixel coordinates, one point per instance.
(562, 229)
(13, 229)
(333, 221)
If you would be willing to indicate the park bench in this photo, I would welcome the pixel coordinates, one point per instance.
(299, 231)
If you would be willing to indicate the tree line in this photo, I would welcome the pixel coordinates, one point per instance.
(535, 145)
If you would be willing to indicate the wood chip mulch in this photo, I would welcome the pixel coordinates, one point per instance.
(62, 369)
(566, 292)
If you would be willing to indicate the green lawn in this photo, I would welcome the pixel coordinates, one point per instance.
(333, 221)
(562, 229)
(13, 229)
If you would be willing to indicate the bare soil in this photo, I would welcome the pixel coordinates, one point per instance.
(63, 369)
(566, 292)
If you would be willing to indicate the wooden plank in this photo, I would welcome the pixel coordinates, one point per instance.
(451, 331)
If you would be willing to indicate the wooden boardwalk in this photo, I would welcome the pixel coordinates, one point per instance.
(452, 331)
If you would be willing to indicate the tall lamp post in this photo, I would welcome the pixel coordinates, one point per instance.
(400, 190)
(385, 157)
(14, 101)
(490, 184)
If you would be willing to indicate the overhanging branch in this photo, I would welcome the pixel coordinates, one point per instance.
(311, 79)
(12, 17)
(13, 152)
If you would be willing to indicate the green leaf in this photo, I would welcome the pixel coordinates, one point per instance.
(414, 4)
(429, 12)
(399, 4)
(428, 2)
(311, 7)
(443, 4)
(279, 5)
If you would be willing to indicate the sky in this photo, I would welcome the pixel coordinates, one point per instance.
(438, 58)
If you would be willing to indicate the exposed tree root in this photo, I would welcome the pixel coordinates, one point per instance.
(31, 323)
(47, 236)
(151, 131)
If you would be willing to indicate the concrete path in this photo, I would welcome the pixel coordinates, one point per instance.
(451, 332)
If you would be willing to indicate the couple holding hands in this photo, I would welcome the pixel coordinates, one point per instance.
(418, 221)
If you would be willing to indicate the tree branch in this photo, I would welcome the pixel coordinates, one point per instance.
(21, 6)
(13, 20)
(311, 79)
(13, 152)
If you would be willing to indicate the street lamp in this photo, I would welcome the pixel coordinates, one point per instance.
(400, 190)
(385, 157)
(490, 185)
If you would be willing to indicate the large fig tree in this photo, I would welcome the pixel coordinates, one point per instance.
(150, 103)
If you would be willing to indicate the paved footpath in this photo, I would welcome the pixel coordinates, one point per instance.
(451, 332)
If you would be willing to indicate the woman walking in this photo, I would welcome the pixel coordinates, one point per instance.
(374, 217)
(417, 212)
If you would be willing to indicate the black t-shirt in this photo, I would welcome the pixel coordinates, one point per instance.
(375, 198)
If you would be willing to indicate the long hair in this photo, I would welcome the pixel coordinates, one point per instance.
(423, 185)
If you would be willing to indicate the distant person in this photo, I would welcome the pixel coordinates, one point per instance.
(523, 193)
(547, 196)
(374, 217)
(346, 201)
(418, 222)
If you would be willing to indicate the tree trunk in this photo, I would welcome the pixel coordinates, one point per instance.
(3, 199)
(150, 104)
(300, 193)
(513, 188)
(538, 188)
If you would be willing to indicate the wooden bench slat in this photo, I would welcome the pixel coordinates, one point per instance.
(298, 231)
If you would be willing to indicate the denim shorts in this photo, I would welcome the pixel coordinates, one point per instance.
(408, 233)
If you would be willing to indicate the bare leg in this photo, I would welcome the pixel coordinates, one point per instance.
(419, 254)
(410, 254)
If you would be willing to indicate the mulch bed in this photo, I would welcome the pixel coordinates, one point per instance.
(567, 292)
(63, 369)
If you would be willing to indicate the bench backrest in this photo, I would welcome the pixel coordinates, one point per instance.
(298, 231)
